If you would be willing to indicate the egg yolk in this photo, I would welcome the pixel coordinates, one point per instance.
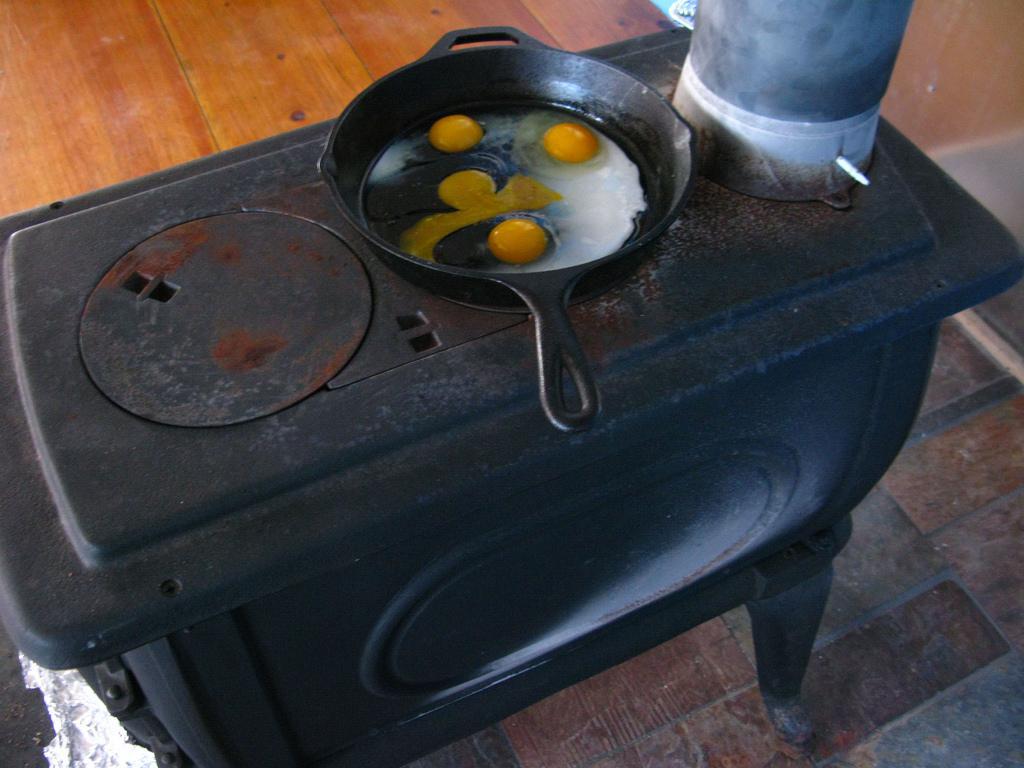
(474, 204)
(570, 142)
(455, 133)
(517, 241)
(464, 189)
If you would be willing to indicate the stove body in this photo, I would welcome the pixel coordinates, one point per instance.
(358, 570)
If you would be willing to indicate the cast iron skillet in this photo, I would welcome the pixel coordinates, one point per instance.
(525, 73)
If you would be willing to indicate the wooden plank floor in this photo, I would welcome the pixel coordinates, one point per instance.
(93, 92)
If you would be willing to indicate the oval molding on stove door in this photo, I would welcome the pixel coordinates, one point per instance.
(509, 600)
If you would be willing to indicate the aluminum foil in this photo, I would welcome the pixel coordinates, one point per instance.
(683, 13)
(87, 736)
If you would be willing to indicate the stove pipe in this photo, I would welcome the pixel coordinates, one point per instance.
(785, 94)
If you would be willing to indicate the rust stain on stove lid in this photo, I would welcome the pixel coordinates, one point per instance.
(230, 254)
(161, 255)
(267, 309)
(240, 352)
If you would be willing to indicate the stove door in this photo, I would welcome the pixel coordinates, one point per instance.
(630, 538)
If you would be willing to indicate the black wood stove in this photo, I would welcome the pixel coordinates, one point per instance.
(286, 509)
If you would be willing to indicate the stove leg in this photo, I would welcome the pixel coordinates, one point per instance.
(784, 627)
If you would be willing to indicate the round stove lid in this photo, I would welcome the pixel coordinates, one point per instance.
(224, 319)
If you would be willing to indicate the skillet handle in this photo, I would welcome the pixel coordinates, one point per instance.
(559, 351)
(481, 35)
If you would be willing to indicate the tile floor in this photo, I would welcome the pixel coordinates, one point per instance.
(918, 660)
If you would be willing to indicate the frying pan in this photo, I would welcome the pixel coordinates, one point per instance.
(522, 71)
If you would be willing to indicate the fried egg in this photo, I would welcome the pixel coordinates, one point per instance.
(579, 195)
(517, 241)
(454, 133)
(570, 142)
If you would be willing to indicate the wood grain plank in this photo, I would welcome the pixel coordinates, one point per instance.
(580, 24)
(389, 33)
(261, 68)
(91, 93)
(959, 77)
